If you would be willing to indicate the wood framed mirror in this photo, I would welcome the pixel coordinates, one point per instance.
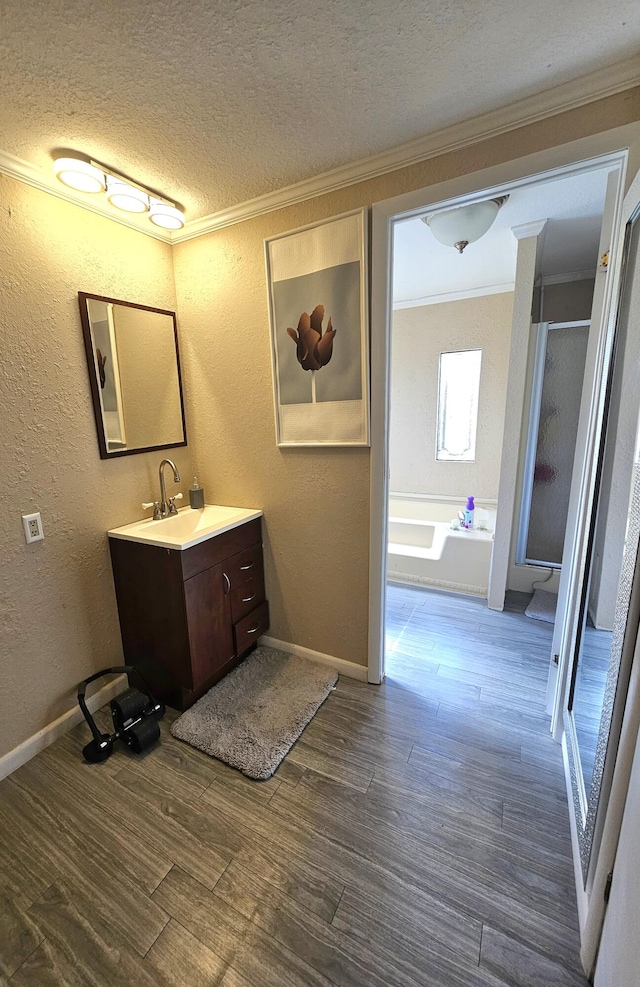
(134, 372)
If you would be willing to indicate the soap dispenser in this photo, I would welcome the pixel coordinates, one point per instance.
(196, 496)
(469, 512)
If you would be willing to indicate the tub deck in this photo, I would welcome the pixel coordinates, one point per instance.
(431, 553)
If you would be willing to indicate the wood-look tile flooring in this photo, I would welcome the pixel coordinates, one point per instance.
(417, 834)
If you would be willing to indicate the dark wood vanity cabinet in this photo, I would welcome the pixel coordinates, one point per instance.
(188, 617)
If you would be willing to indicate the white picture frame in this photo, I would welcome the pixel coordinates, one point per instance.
(317, 285)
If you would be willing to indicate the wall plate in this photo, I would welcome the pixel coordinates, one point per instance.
(32, 524)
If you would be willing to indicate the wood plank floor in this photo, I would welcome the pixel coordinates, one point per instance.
(416, 835)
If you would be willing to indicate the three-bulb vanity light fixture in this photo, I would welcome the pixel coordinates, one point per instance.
(90, 176)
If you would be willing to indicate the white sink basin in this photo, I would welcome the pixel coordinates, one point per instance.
(186, 528)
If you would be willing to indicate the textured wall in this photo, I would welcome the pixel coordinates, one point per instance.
(315, 500)
(567, 301)
(419, 336)
(58, 619)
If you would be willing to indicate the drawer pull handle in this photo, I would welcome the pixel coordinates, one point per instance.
(243, 568)
(248, 599)
(252, 630)
(228, 582)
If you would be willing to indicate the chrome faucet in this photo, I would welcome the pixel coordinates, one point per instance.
(168, 507)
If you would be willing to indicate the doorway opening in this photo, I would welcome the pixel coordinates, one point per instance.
(451, 331)
(474, 396)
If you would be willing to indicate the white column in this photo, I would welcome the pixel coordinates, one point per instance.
(530, 237)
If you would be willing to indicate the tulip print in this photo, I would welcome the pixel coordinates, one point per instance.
(101, 360)
(314, 349)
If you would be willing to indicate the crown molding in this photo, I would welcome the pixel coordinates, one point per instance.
(546, 279)
(587, 89)
(454, 296)
(526, 230)
(30, 174)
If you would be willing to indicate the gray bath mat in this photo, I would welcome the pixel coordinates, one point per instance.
(252, 718)
(542, 606)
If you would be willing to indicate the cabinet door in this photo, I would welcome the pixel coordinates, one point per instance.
(209, 622)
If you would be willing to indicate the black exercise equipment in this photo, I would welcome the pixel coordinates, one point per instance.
(136, 715)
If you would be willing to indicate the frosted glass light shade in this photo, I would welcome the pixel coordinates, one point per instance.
(166, 216)
(127, 197)
(463, 225)
(79, 174)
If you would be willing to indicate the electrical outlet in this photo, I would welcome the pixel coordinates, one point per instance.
(32, 524)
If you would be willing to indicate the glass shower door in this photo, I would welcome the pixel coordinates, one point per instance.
(553, 424)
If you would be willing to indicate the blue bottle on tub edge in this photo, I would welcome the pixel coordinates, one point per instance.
(469, 512)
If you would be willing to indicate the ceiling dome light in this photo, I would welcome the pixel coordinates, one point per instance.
(166, 216)
(127, 197)
(79, 174)
(463, 225)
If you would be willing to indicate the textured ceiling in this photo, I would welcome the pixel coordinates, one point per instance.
(572, 206)
(213, 103)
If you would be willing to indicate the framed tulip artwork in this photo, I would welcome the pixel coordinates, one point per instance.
(317, 284)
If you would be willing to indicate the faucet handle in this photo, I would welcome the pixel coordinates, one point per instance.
(172, 507)
(156, 509)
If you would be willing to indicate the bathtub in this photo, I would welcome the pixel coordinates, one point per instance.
(424, 549)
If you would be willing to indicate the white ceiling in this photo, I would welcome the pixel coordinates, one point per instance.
(424, 268)
(213, 103)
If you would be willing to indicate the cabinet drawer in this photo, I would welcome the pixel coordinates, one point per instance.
(242, 566)
(248, 595)
(248, 630)
(214, 550)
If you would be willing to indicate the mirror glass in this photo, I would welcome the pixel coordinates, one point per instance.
(608, 621)
(134, 371)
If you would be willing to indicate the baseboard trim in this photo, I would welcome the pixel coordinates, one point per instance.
(430, 583)
(14, 759)
(349, 668)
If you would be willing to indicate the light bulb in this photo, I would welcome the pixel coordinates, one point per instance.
(166, 216)
(79, 174)
(127, 197)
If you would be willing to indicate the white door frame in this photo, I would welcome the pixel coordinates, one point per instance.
(579, 156)
(592, 900)
(590, 423)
